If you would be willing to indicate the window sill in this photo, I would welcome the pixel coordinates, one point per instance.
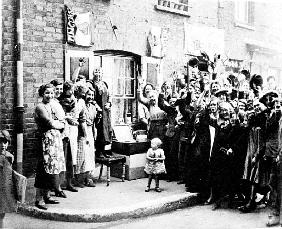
(172, 10)
(244, 26)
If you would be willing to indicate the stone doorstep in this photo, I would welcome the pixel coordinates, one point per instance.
(30, 189)
(150, 207)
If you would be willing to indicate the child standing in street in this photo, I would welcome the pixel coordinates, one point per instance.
(12, 184)
(155, 163)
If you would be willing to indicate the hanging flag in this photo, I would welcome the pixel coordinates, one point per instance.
(83, 35)
(77, 28)
(158, 39)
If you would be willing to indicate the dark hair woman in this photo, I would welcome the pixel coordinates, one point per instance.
(51, 159)
(256, 83)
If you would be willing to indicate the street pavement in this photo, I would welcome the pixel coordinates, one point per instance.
(118, 201)
(172, 208)
(197, 217)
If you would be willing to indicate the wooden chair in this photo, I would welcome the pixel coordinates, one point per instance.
(110, 161)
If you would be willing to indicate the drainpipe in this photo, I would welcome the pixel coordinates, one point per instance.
(20, 100)
(1, 40)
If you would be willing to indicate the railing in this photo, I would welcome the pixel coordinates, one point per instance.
(179, 7)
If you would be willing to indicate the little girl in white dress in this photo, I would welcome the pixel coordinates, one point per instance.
(155, 163)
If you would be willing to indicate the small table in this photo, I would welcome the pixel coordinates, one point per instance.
(110, 161)
(135, 153)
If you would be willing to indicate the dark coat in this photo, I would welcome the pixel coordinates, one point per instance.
(221, 163)
(104, 128)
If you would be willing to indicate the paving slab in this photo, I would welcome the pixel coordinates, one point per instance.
(120, 200)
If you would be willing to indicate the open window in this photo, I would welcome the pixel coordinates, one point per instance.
(244, 13)
(120, 73)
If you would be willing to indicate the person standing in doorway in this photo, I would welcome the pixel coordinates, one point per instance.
(104, 127)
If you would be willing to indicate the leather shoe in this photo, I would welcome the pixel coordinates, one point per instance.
(147, 189)
(90, 183)
(247, 208)
(50, 201)
(71, 189)
(40, 206)
(60, 194)
(208, 202)
(215, 206)
(79, 185)
(158, 190)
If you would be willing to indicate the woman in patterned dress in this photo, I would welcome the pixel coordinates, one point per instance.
(60, 114)
(51, 154)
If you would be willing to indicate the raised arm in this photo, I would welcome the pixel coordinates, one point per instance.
(77, 70)
(140, 96)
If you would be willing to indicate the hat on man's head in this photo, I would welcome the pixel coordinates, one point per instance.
(221, 91)
(246, 73)
(203, 65)
(5, 134)
(193, 62)
(244, 101)
(271, 93)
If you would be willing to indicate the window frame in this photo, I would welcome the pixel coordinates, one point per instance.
(134, 78)
(128, 101)
(174, 6)
(248, 20)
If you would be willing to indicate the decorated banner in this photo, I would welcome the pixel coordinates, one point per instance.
(78, 28)
(203, 38)
(157, 39)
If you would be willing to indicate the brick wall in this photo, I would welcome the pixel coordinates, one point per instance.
(8, 83)
(43, 51)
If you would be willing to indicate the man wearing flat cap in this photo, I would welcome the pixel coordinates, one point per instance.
(269, 98)
(222, 94)
(271, 155)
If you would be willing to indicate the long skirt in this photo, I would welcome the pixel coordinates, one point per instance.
(90, 150)
(50, 160)
(53, 152)
(73, 135)
(157, 129)
(45, 180)
(80, 162)
(86, 153)
(256, 172)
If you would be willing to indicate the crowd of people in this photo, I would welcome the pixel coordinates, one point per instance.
(69, 117)
(221, 137)
(218, 135)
